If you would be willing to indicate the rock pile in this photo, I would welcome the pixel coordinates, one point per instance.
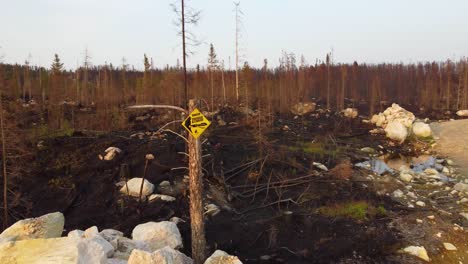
(37, 240)
(399, 123)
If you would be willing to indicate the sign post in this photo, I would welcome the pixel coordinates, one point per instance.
(196, 123)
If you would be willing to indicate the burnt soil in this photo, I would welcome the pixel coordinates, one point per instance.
(274, 224)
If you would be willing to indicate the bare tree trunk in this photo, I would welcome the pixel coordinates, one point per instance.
(184, 54)
(224, 85)
(5, 178)
(237, 52)
(196, 197)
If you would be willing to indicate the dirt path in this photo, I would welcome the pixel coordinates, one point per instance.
(453, 142)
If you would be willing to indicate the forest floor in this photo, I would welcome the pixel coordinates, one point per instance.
(276, 204)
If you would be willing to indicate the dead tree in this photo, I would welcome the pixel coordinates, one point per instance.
(5, 178)
(195, 185)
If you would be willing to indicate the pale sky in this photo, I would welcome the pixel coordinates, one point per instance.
(371, 31)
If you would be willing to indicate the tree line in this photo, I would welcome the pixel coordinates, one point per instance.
(430, 85)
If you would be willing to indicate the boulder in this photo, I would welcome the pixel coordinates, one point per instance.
(419, 252)
(99, 241)
(396, 131)
(350, 113)
(462, 113)
(158, 235)
(421, 130)
(303, 108)
(46, 226)
(220, 256)
(164, 255)
(134, 185)
(61, 250)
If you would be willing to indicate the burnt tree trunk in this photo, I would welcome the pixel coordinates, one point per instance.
(196, 197)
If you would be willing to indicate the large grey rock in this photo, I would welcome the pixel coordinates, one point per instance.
(164, 255)
(62, 250)
(46, 226)
(134, 186)
(158, 235)
(221, 257)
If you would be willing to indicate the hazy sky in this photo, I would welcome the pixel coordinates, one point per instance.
(363, 30)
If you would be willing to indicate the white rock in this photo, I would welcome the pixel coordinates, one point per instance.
(419, 221)
(76, 234)
(398, 194)
(431, 217)
(97, 240)
(431, 171)
(320, 166)
(461, 187)
(449, 246)
(406, 177)
(350, 112)
(91, 232)
(396, 131)
(422, 130)
(164, 255)
(368, 150)
(111, 152)
(465, 215)
(158, 235)
(61, 250)
(134, 186)
(450, 162)
(446, 171)
(46, 226)
(161, 197)
(212, 209)
(462, 113)
(220, 256)
(165, 184)
(419, 252)
(420, 203)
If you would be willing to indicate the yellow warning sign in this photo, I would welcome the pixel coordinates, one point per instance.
(196, 123)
